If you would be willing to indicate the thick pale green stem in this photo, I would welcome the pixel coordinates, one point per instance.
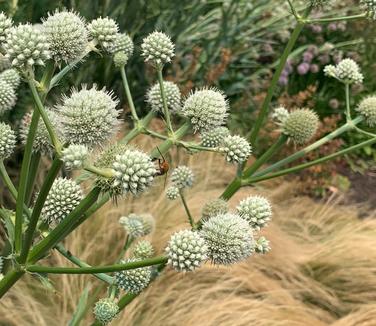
(7, 181)
(128, 94)
(190, 218)
(166, 112)
(348, 110)
(336, 19)
(9, 280)
(34, 165)
(232, 188)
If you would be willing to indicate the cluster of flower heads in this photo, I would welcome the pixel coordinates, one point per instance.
(346, 71)
(369, 7)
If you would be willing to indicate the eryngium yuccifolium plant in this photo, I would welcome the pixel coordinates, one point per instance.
(89, 117)
(8, 97)
(262, 245)
(12, 77)
(214, 207)
(104, 30)
(120, 59)
(229, 238)
(5, 24)
(172, 192)
(370, 8)
(138, 225)
(143, 249)
(206, 109)
(157, 49)
(74, 156)
(7, 141)
(186, 250)
(214, 137)
(236, 148)
(280, 115)
(256, 210)
(301, 125)
(346, 71)
(122, 43)
(133, 280)
(134, 171)
(182, 177)
(105, 310)
(67, 35)
(172, 93)
(25, 46)
(367, 109)
(64, 196)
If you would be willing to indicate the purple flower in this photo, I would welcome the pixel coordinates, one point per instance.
(334, 103)
(303, 68)
(324, 59)
(283, 80)
(332, 27)
(313, 49)
(316, 29)
(307, 56)
(314, 68)
(341, 27)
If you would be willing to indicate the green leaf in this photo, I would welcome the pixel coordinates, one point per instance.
(80, 312)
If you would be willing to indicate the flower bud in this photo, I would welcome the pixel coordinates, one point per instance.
(173, 97)
(105, 310)
(74, 156)
(182, 177)
(7, 141)
(143, 249)
(138, 225)
(367, 109)
(214, 137)
(236, 148)
(262, 246)
(8, 97)
(256, 210)
(172, 192)
(105, 31)
(157, 49)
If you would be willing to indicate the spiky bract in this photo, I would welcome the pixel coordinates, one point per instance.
(138, 225)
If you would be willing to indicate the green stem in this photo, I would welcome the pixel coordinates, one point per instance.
(166, 112)
(9, 280)
(232, 188)
(335, 19)
(128, 241)
(190, 218)
(347, 93)
(97, 269)
(128, 94)
(107, 173)
(34, 164)
(7, 181)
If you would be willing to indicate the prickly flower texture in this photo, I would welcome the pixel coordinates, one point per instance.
(138, 225)
(143, 249)
(105, 31)
(262, 245)
(206, 109)
(370, 8)
(229, 238)
(122, 43)
(172, 192)
(64, 196)
(133, 280)
(12, 77)
(134, 171)
(280, 115)
(5, 24)
(256, 210)
(182, 177)
(66, 32)
(105, 310)
(173, 97)
(74, 156)
(215, 207)
(367, 108)
(347, 71)
(214, 137)
(236, 148)
(89, 117)
(25, 46)
(157, 49)
(8, 97)
(7, 141)
(186, 250)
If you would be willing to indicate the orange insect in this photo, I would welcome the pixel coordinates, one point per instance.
(163, 166)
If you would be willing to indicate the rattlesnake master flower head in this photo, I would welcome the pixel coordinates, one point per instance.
(256, 210)
(186, 250)
(5, 24)
(172, 192)
(122, 43)
(229, 238)
(89, 117)
(262, 245)
(105, 31)
(26, 46)
(157, 49)
(367, 109)
(182, 177)
(214, 207)
(347, 71)
(8, 97)
(133, 280)
(67, 35)
(64, 196)
(7, 141)
(280, 115)
(12, 77)
(105, 310)
(120, 59)
(75, 156)
(206, 109)
(214, 137)
(236, 148)
(301, 125)
(138, 225)
(369, 7)
(143, 249)
(173, 97)
(134, 171)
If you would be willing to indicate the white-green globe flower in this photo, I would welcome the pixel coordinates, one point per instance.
(280, 115)
(182, 177)
(5, 24)
(346, 71)
(143, 249)
(214, 137)
(8, 97)
(172, 192)
(370, 8)
(122, 43)
(214, 207)
(236, 148)
(138, 225)
(173, 97)
(262, 246)
(256, 210)
(157, 49)
(7, 141)
(12, 77)
(105, 31)
(367, 109)
(105, 310)
(75, 156)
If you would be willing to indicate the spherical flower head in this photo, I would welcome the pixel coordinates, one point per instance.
(206, 109)
(105, 31)
(67, 35)
(280, 115)
(229, 238)
(214, 207)
(186, 251)
(5, 24)
(26, 46)
(134, 171)
(157, 49)
(172, 192)
(214, 137)
(64, 197)
(120, 59)
(369, 7)
(182, 177)
(173, 97)
(143, 249)
(138, 225)
(346, 71)
(8, 97)
(105, 310)
(236, 148)
(75, 156)
(256, 210)
(301, 125)
(262, 245)
(133, 280)
(7, 141)
(89, 117)
(367, 109)
(122, 43)
(12, 77)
